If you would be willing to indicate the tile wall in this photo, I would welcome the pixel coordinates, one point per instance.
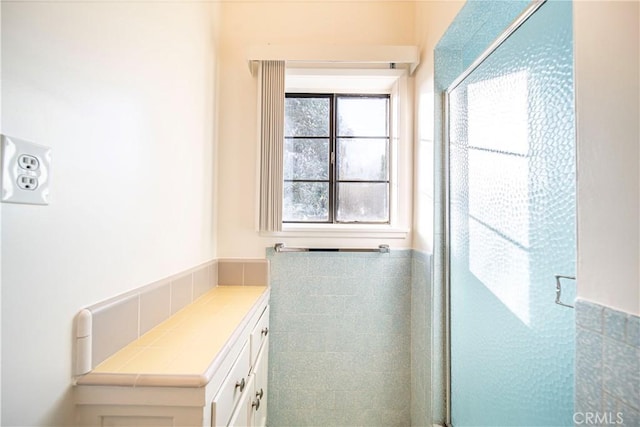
(607, 366)
(122, 319)
(421, 360)
(243, 272)
(438, 342)
(340, 349)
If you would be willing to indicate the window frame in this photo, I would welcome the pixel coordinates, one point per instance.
(333, 179)
(330, 78)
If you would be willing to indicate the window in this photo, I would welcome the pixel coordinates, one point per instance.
(336, 158)
(345, 138)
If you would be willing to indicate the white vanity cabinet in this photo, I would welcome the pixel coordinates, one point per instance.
(231, 392)
(252, 406)
(242, 399)
(233, 389)
(260, 377)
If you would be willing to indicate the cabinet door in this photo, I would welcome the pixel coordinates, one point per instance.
(242, 415)
(233, 386)
(259, 335)
(261, 376)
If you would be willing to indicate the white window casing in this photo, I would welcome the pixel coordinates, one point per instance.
(339, 77)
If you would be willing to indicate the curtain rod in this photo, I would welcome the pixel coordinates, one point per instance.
(362, 54)
(280, 247)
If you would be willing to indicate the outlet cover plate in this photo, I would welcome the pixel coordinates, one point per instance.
(22, 183)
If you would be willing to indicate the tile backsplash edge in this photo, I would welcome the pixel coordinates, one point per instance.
(154, 303)
(93, 345)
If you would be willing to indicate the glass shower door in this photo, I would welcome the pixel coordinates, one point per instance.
(512, 229)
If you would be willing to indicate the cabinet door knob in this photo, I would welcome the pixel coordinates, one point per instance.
(259, 394)
(265, 331)
(240, 384)
(256, 404)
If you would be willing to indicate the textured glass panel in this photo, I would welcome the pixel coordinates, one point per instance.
(499, 184)
(306, 159)
(363, 116)
(306, 117)
(305, 201)
(363, 159)
(512, 228)
(364, 202)
(498, 122)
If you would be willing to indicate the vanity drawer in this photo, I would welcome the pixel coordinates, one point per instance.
(259, 334)
(231, 389)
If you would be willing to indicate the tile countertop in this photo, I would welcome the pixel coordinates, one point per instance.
(186, 349)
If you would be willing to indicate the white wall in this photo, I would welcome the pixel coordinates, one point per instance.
(123, 92)
(432, 20)
(281, 22)
(607, 57)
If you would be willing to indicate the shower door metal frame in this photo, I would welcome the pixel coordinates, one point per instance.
(446, 243)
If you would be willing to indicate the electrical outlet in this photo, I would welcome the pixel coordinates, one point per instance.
(26, 182)
(26, 171)
(28, 162)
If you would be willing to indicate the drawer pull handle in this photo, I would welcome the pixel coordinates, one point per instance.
(240, 384)
(259, 394)
(264, 331)
(256, 404)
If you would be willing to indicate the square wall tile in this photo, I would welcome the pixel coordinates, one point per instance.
(113, 327)
(609, 403)
(201, 281)
(615, 324)
(622, 371)
(588, 380)
(181, 292)
(633, 331)
(256, 273)
(589, 315)
(588, 350)
(155, 306)
(630, 416)
(230, 273)
(213, 274)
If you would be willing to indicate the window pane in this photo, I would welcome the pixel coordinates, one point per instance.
(306, 117)
(365, 202)
(306, 159)
(362, 159)
(362, 116)
(306, 201)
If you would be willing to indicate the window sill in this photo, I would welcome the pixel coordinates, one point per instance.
(340, 231)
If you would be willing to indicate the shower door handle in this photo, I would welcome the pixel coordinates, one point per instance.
(559, 278)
